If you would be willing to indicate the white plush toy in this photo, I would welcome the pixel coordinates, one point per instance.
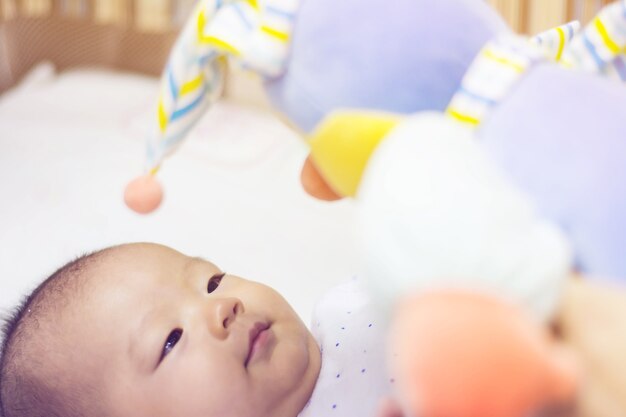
(435, 212)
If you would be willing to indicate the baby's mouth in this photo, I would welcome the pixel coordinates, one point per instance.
(258, 336)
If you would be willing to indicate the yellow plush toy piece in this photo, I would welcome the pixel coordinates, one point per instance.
(344, 142)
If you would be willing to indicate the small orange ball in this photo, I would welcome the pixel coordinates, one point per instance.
(144, 194)
(314, 184)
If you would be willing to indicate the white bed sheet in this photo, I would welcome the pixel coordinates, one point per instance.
(69, 143)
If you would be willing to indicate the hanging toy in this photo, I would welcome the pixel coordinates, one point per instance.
(553, 131)
(253, 34)
(348, 54)
(433, 210)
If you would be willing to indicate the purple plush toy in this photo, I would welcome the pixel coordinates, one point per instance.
(555, 131)
(401, 56)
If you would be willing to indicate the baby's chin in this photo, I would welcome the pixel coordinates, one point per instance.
(287, 380)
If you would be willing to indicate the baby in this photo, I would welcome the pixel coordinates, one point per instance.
(143, 330)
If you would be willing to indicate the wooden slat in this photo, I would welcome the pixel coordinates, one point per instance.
(181, 9)
(110, 11)
(36, 7)
(78, 8)
(7, 78)
(153, 15)
(589, 9)
(511, 11)
(545, 15)
(524, 20)
(534, 16)
(149, 15)
(70, 42)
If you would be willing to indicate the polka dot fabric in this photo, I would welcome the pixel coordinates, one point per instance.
(350, 326)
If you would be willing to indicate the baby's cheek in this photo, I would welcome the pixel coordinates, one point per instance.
(204, 385)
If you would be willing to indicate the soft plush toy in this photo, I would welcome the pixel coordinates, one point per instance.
(535, 121)
(439, 208)
(438, 219)
(435, 212)
(459, 354)
(316, 56)
(438, 213)
(555, 133)
(442, 205)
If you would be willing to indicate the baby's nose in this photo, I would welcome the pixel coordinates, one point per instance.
(226, 311)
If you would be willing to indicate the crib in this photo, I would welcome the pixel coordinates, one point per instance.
(136, 35)
(78, 82)
(63, 177)
(126, 35)
(52, 147)
(534, 16)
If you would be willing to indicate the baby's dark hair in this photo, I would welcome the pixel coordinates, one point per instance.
(31, 384)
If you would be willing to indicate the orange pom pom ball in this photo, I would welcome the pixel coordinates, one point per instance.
(144, 194)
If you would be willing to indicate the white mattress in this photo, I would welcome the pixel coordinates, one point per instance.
(70, 142)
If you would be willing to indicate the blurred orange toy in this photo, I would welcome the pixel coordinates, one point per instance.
(462, 354)
(437, 218)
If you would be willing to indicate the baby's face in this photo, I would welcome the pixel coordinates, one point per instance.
(174, 336)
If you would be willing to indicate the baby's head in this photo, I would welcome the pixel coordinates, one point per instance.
(143, 330)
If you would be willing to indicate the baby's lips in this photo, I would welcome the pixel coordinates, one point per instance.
(255, 335)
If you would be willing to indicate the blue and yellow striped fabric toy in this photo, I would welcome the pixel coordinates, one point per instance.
(319, 56)
(252, 33)
(315, 56)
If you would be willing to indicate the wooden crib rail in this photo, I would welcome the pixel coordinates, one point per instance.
(535, 16)
(145, 15)
(131, 35)
(136, 35)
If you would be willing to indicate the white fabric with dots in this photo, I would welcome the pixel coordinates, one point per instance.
(350, 327)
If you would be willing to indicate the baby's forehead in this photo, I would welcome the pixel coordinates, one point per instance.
(134, 272)
(136, 279)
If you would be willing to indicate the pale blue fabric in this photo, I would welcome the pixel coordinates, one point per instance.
(561, 137)
(400, 55)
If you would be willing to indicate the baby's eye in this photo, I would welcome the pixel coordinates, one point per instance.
(214, 282)
(170, 342)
